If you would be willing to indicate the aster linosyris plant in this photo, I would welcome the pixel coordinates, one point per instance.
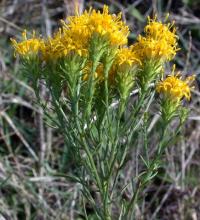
(100, 93)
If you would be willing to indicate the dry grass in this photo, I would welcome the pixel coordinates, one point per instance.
(30, 151)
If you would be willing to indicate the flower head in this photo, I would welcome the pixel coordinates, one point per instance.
(159, 31)
(57, 46)
(76, 33)
(149, 48)
(174, 88)
(127, 56)
(80, 28)
(27, 46)
(159, 42)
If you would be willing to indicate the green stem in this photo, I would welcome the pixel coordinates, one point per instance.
(90, 90)
(136, 110)
(150, 169)
(106, 205)
(133, 200)
(106, 70)
(93, 166)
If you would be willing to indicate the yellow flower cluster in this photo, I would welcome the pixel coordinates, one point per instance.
(159, 42)
(125, 59)
(77, 32)
(174, 88)
(127, 56)
(100, 40)
(27, 46)
(84, 26)
(56, 47)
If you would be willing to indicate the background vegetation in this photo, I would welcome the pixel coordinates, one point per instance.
(30, 151)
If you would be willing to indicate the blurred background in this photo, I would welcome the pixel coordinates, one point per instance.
(30, 151)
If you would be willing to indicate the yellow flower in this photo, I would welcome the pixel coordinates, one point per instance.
(56, 47)
(148, 48)
(158, 31)
(127, 56)
(125, 60)
(81, 27)
(76, 33)
(174, 88)
(27, 46)
(159, 42)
